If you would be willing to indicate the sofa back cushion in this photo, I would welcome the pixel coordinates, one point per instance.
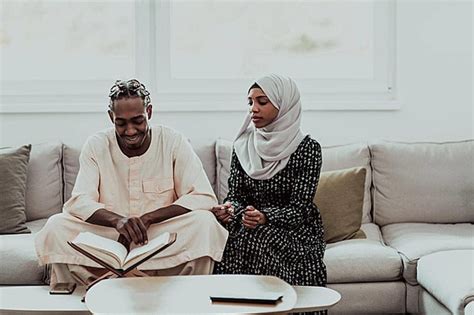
(423, 182)
(340, 199)
(223, 156)
(70, 168)
(44, 187)
(13, 167)
(206, 153)
(334, 158)
(347, 156)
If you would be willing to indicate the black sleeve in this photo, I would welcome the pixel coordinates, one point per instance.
(238, 193)
(304, 185)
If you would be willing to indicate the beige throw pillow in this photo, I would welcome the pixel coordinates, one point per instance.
(340, 198)
(13, 167)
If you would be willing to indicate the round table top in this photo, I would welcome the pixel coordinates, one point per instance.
(311, 299)
(186, 294)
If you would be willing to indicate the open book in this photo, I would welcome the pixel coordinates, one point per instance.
(114, 256)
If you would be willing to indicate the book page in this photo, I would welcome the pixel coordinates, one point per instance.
(100, 246)
(154, 244)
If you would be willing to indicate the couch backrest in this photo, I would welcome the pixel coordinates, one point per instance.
(423, 182)
(206, 153)
(351, 155)
(412, 182)
(44, 187)
(334, 158)
(70, 168)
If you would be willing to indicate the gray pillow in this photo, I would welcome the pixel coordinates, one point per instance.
(13, 167)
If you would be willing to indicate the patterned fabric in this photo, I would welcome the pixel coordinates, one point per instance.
(291, 244)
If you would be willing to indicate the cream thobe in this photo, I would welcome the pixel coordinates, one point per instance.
(169, 172)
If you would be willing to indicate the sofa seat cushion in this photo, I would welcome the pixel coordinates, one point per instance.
(414, 240)
(19, 263)
(448, 276)
(362, 260)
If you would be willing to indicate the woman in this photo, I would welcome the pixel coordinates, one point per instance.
(275, 228)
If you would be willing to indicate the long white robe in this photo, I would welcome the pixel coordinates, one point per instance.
(169, 172)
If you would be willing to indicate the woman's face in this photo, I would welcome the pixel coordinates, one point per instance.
(262, 110)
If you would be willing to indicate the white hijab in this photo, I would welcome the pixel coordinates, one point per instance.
(263, 152)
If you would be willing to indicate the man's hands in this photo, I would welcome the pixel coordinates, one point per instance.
(251, 218)
(132, 229)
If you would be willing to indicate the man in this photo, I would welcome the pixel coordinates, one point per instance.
(134, 183)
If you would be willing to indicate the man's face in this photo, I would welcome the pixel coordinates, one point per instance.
(130, 118)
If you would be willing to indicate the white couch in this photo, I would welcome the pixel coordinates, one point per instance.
(419, 200)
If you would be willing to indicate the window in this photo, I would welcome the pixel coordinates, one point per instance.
(197, 55)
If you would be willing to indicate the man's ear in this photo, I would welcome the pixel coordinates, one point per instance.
(111, 115)
(149, 111)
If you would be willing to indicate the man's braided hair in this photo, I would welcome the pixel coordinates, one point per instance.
(130, 88)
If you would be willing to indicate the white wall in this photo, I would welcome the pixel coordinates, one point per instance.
(434, 69)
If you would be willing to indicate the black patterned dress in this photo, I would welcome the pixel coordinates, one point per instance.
(291, 244)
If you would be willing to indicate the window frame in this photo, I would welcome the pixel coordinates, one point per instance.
(152, 24)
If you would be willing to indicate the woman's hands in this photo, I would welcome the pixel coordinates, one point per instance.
(250, 219)
(253, 217)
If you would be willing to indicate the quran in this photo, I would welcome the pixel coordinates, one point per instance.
(114, 256)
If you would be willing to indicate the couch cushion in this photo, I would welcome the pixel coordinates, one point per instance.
(334, 158)
(340, 198)
(370, 298)
(206, 153)
(448, 276)
(362, 260)
(70, 169)
(414, 240)
(223, 156)
(44, 187)
(469, 309)
(347, 156)
(13, 167)
(423, 182)
(19, 263)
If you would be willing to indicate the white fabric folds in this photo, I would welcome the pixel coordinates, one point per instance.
(263, 152)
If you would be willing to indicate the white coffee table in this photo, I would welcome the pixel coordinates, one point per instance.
(185, 294)
(190, 294)
(312, 299)
(36, 299)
